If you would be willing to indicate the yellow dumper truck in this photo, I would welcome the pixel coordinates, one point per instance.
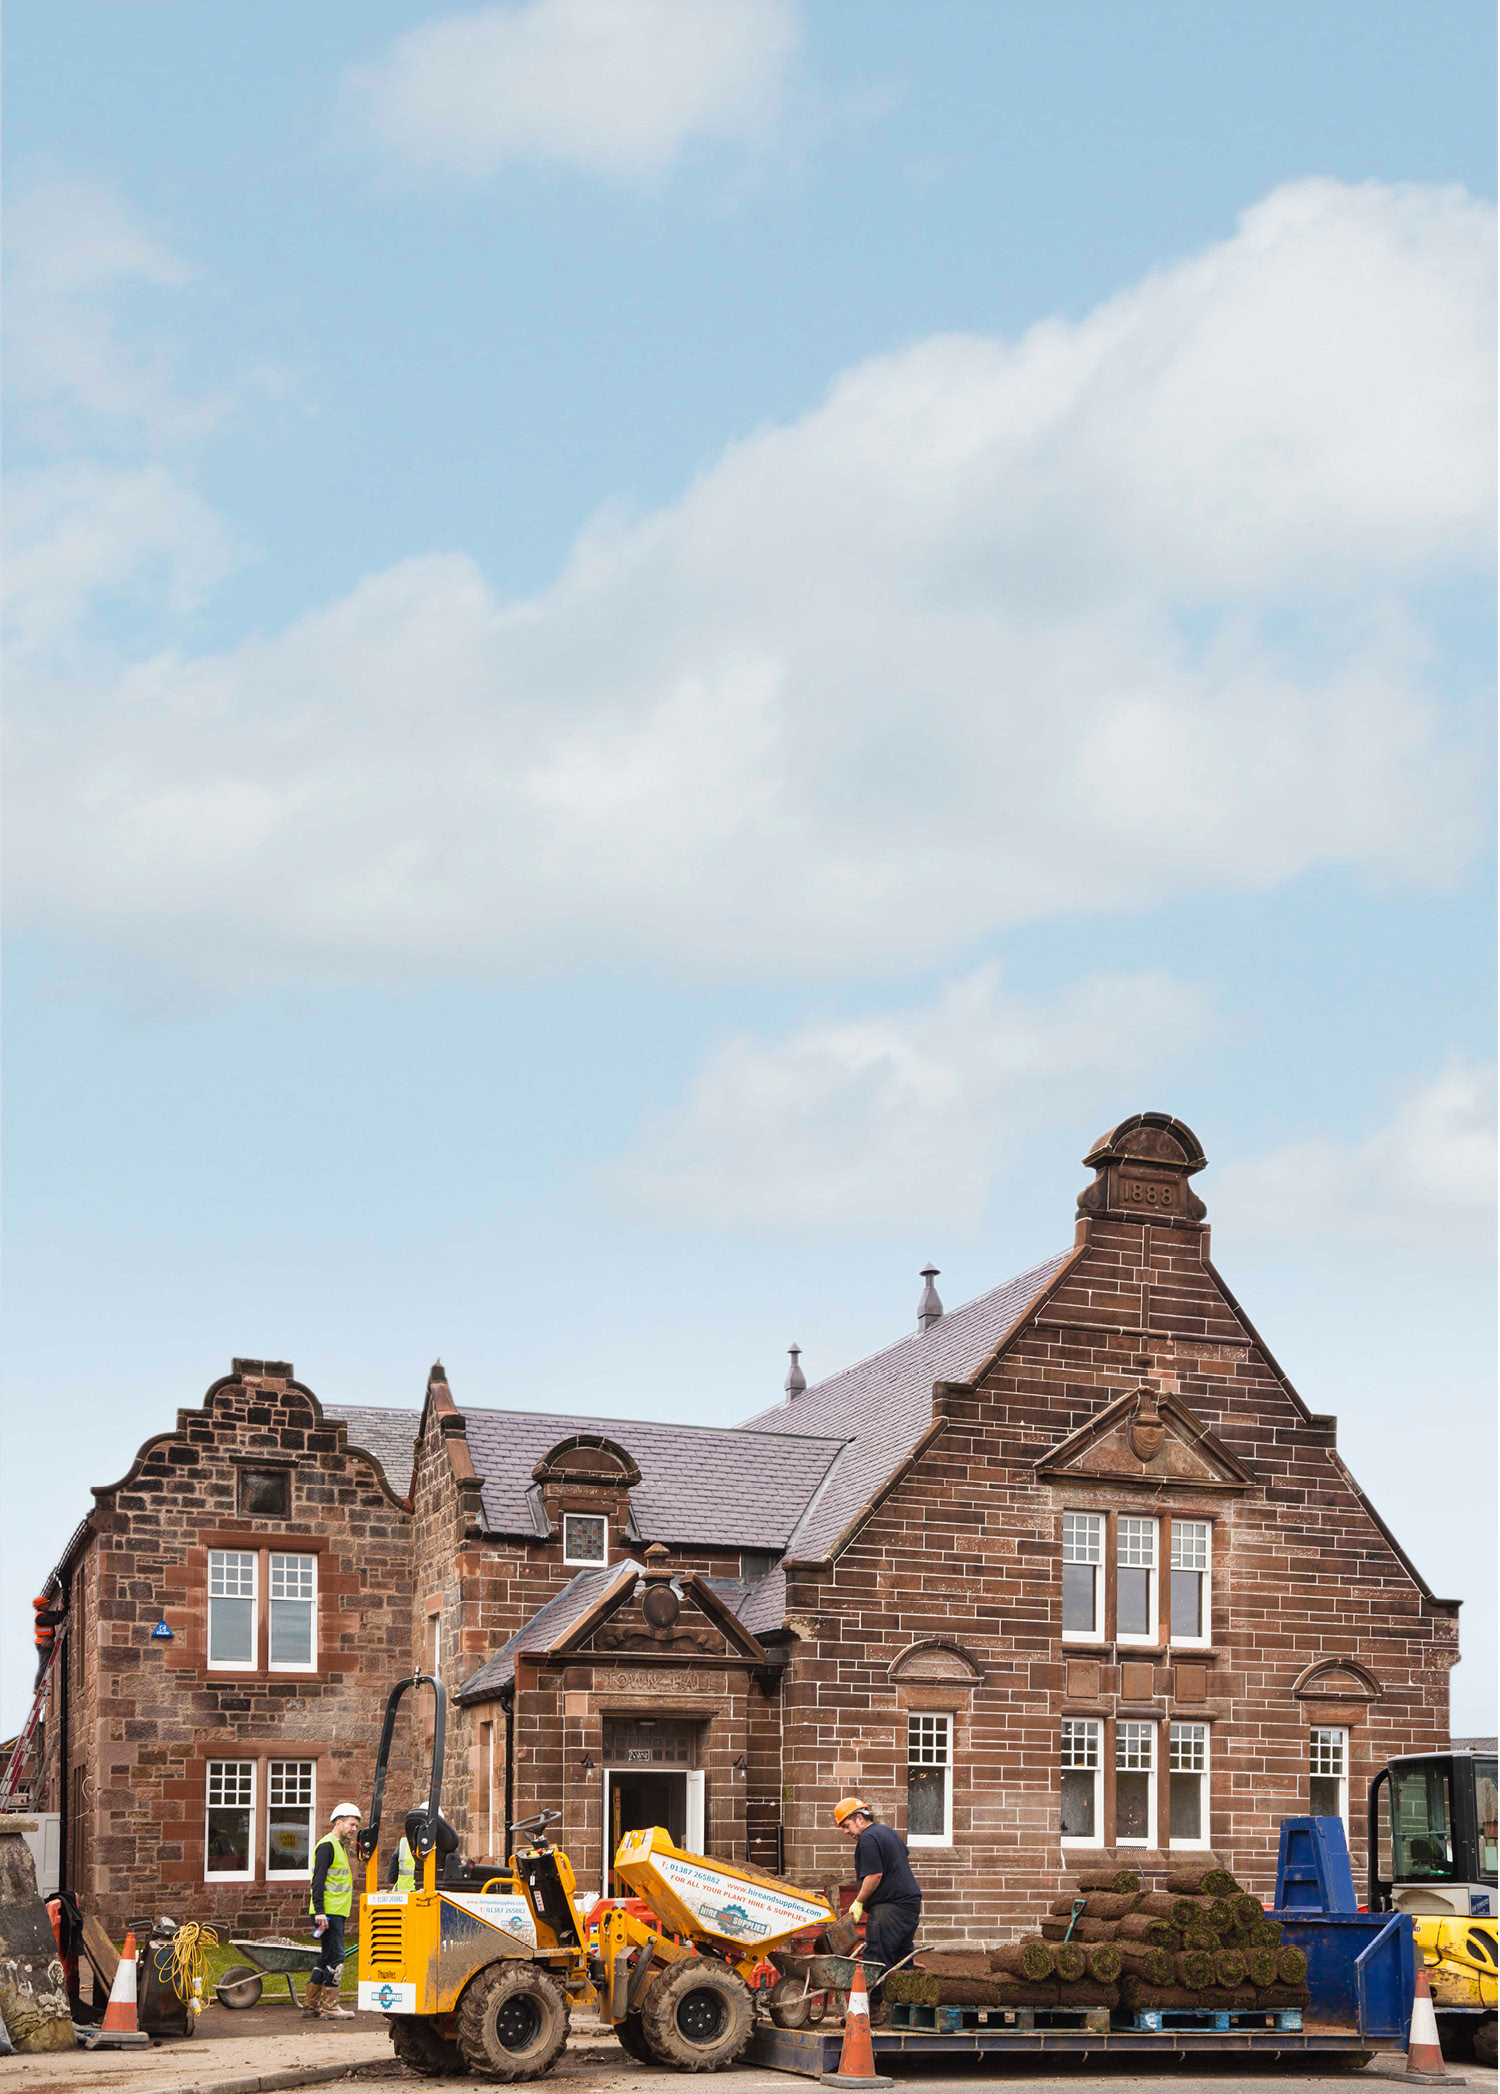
(476, 1970)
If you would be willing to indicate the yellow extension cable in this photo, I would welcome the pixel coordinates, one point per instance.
(188, 1964)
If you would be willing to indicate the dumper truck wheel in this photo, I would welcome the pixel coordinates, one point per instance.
(512, 2022)
(633, 2039)
(417, 2044)
(698, 2016)
(1483, 2042)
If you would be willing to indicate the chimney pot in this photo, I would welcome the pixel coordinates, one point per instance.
(930, 1307)
(796, 1380)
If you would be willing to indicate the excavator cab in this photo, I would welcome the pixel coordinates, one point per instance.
(1432, 1821)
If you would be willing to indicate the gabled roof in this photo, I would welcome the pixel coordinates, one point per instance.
(591, 1592)
(882, 1407)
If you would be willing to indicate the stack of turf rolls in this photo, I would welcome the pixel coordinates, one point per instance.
(1199, 1942)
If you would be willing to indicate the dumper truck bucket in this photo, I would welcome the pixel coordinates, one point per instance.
(723, 1901)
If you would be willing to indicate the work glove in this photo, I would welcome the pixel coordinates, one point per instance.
(320, 1924)
(856, 1912)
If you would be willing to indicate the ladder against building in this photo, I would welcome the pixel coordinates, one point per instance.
(22, 1769)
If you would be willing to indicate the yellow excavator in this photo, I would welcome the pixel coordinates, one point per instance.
(1432, 1818)
(476, 1969)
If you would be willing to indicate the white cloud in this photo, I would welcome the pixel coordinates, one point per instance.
(617, 90)
(71, 248)
(1000, 631)
(1424, 1181)
(903, 1116)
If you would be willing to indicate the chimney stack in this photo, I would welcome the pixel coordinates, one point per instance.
(929, 1308)
(796, 1380)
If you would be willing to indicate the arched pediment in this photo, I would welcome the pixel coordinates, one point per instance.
(586, 1457)
(1336, 1679)
(931, 1660)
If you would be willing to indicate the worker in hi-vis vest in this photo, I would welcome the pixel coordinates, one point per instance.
(402, 1874)
(330, 1901)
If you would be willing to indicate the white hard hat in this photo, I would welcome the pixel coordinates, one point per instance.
(343, 1810)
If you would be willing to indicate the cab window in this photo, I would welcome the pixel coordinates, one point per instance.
(1485, 1795)
(1422, 1821)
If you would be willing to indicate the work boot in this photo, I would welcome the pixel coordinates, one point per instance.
(331, 2010)
(311, 2000)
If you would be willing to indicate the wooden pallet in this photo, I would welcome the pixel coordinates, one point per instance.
(1152, 2019)
(948, 2021)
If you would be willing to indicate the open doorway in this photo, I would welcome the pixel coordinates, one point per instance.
(650, 1779)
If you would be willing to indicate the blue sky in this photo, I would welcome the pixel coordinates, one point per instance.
(661, 653)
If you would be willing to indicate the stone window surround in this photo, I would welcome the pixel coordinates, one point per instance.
(260, 1753)
(1161, 1722)
(263, 1546)
(1161, 1638)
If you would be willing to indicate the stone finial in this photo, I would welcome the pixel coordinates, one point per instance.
(1141, 1172)
(930, 1307)
(796, 1380)
(438, 1372)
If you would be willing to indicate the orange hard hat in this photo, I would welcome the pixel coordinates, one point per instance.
(847, 1806)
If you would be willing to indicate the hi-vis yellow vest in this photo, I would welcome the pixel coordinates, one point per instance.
(406, 1867)
(338, 1884)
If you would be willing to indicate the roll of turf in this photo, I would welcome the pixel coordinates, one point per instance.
(1072, 1961)
(1110, 1879)
(1195, 1969)
(1260, 1967)
(1029, 1959)
(1291, 1966)
(1105, 1962)
(1229, 1967)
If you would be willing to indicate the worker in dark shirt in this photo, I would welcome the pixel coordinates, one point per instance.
(887, 1896)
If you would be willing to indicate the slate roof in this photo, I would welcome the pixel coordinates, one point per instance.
(881, 1407)
(717, 1486)
(546, 1627)
(390, 1435)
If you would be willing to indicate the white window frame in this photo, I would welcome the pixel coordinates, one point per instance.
(1205, 1734)
(1200, 1642)
(252, 1663)
(1072, 1725)
(292, 1875)
(1126, 1524)
(586, 1562)
(1130, 1734)
(274, 1664)
(1101, 1529)
(1318, 1733)
(229, 1875)
(942, 1730)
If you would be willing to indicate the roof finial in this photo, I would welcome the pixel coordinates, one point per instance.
(796, 1380)
(929, 1308)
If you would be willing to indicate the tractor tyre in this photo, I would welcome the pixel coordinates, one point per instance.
(633, 2039)
(512, 2022)
(790, 2003)
(417, 2044)
(698, 2016)
(1482, 2043)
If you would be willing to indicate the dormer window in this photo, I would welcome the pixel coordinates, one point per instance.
(585, 1538)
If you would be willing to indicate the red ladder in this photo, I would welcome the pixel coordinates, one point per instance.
(10, 1781)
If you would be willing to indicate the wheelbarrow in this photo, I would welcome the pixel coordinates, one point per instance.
(811, 1987)
(242, 1986)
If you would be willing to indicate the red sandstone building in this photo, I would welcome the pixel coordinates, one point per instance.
(1069, 1573)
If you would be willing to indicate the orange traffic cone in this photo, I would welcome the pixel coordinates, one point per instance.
(120, 2029)
(1424, 2053)
(120, 2013)
(857, 2058)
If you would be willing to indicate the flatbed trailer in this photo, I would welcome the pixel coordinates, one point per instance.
(813, 2052)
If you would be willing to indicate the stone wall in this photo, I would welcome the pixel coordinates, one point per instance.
(148, 1713)
(967, 1549)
